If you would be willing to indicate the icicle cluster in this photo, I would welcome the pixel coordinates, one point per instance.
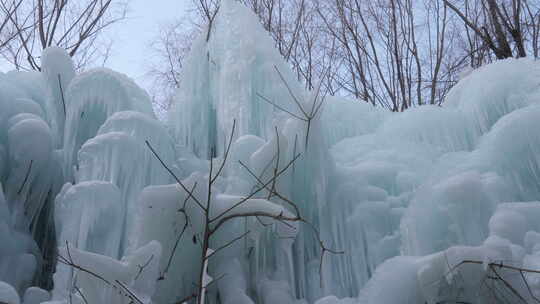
(89, 214)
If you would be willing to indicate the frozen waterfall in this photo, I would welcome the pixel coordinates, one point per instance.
(425, 204)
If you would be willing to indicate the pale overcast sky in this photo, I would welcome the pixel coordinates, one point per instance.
(132, 36)
(130, 51)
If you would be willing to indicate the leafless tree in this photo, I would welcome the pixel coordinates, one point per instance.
(292, 25)
(206, 9)
(169, 49)
(77, 26)
(6, 14)
(394, 54)
(213, 223)
(387, 60)
(508, 28)
(297, 33)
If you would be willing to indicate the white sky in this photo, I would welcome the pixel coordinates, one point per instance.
(130, 51)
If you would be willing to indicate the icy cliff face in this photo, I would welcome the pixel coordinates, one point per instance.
(89, 213)
(439, 179)
(233, 67)
(72, 166)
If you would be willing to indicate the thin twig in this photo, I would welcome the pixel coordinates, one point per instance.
(296, 101)
(493, 266)
(174, 175)
(255, 192)
(186, 299)
(141, 268)
(215, 280)
(186, 223)
(226, 155)
(276, 167)
(508, 285)
(528, 287)
(69, 262)
(324, 249)
(132, 296)
(297, 211)
(80, 293)
(62, 94)
(228, 244)
(281, 108)
(26, 177)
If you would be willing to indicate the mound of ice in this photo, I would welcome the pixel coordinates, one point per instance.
(8, 294)
(91, 98)
(58, 71)
(34, 295)
(495, 90)
(102, 279)
(89, 216)
(427, 205)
